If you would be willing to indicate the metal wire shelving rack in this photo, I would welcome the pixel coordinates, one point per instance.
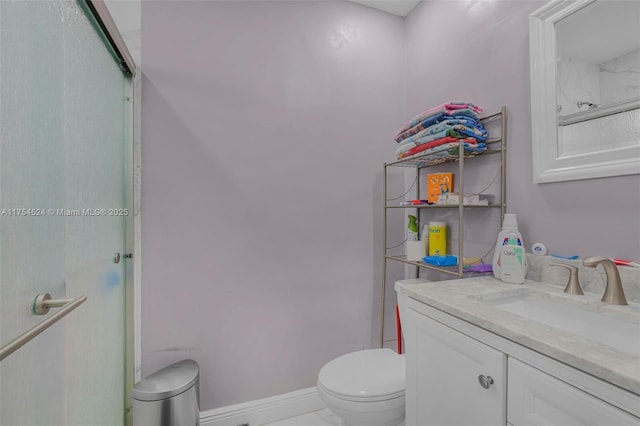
(496, 146)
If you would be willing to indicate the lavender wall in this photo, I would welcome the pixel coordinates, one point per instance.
(479, 51)
(265, 126)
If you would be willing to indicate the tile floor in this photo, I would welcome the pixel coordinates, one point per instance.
(315, 418)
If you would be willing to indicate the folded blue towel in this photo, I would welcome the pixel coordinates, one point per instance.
(466, 126)
(446, 260)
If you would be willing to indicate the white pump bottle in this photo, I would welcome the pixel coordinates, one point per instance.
(508, 236)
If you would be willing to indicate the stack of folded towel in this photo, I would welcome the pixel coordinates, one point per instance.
(441, 127)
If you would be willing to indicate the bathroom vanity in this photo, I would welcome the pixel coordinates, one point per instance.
(483, 352)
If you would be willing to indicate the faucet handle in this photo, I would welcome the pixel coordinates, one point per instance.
(573, 285)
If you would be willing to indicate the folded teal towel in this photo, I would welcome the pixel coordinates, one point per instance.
(446, 260)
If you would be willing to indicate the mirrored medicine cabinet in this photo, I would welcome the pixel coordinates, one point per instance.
(585, 89)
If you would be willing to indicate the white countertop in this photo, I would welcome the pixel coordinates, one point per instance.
(463, 299)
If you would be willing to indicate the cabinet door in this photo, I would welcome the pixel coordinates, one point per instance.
(443, 370)
(536, 398)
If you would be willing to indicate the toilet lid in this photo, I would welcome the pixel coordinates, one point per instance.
(374, 374)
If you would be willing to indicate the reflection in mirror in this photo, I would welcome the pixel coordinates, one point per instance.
(598, 61)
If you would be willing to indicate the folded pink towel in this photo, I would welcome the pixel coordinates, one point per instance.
(450, 108)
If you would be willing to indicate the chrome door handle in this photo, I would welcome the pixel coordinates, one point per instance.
(41, 306)
(485, 381)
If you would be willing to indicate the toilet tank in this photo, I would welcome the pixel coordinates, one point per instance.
(169, 397)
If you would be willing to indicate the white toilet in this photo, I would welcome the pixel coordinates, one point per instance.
(365, 388)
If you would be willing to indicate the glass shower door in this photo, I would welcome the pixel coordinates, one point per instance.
(32, 248)
(64, 136)
(94, 143)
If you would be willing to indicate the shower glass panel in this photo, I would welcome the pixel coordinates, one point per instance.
(32, 248)
(94, 108)
(65, 136)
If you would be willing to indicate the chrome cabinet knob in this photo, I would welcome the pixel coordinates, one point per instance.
(485, 381)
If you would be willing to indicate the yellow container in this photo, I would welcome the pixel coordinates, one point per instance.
(437, 238)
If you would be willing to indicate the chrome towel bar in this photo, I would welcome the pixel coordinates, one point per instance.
(41, 306)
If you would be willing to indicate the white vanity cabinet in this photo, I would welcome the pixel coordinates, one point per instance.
(452, 379)
(446, 356)
(537, 398)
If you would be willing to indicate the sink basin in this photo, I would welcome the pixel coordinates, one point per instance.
(587, 319)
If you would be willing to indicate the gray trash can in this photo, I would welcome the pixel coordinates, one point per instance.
(169, 397)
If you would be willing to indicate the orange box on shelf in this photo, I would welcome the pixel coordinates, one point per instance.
(438, 183)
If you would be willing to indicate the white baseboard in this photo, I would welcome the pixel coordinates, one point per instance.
(267, 410)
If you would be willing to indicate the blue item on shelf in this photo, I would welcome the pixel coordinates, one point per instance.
(446, 260)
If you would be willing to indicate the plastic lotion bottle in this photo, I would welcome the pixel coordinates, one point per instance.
(513, 267)
(508, 236)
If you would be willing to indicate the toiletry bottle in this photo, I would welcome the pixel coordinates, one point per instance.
(437, 238)
(412, 228)
(512, 264)
(424, 237)
(508, 236)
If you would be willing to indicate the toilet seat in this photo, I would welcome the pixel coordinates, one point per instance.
(364, 376)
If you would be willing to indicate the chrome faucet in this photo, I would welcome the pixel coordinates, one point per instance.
(613, 294)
